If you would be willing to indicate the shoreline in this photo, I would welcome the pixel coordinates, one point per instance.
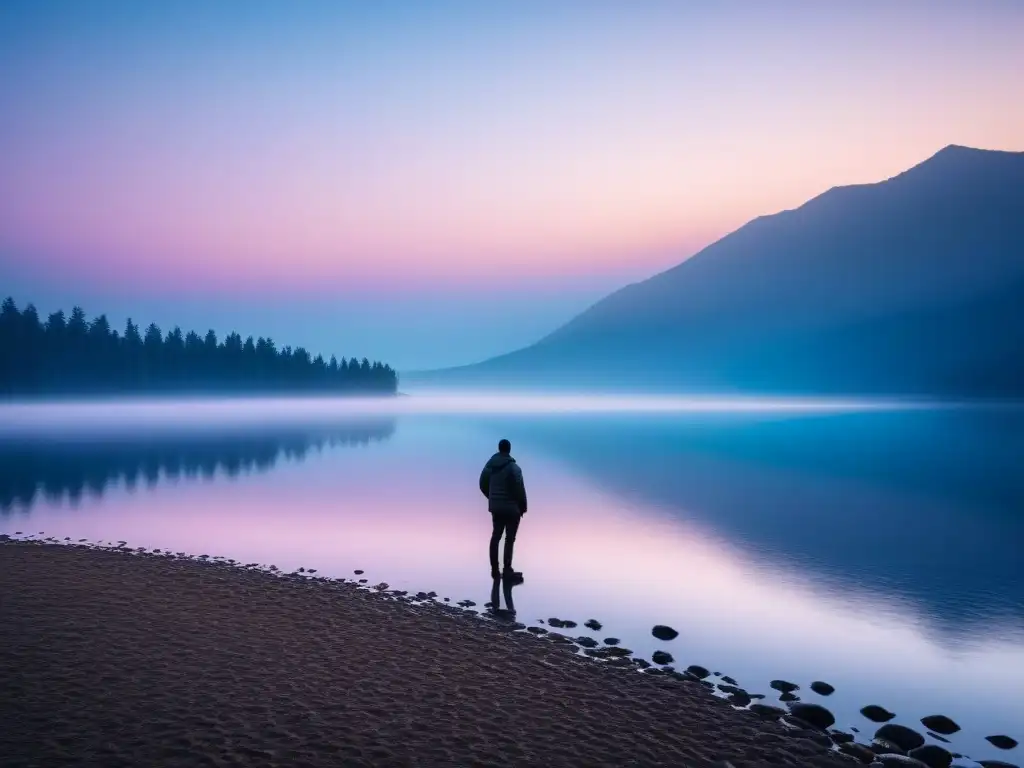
(124, 657)
(880, 743)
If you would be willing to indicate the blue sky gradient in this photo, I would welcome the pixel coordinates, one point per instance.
(436, 183)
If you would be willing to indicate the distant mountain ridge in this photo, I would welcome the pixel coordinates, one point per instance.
(908, 285)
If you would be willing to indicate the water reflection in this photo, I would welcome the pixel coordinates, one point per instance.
(921, 507)
(875, 551)
(58, 467)
(502, 588)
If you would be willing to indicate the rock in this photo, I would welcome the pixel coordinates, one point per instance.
(616, 652)
(698, 671)
(841, 737)
(537, 630)
(784, 685)
(940, 724)
(936, 736)
(740, 698)
(586, 642)
(806, 731)
(899, 761)
(593, 624)
(557, 623)
(642, 663)
(822, 689)
(903, 737)
(932, 755)
(886, 747)
(815, 714)
(660, 657)
(796, 723)
(995, 764)
(877, 714)
(767, 711)
(729, 680)
(858, 751)
(662, 632)
(789, 697)
(612, 641)
(730, 688)
(1001, 742)
(568, 623)
(358, 573)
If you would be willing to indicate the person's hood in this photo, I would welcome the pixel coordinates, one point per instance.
(499, 461)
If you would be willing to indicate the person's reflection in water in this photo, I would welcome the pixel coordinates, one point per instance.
(502, 588)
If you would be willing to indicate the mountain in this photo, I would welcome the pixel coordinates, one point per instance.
(909, 285)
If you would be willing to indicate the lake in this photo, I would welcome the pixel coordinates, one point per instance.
(875, 546)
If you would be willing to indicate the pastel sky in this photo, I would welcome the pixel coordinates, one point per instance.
(434, 183)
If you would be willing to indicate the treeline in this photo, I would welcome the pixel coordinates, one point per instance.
(72, 355)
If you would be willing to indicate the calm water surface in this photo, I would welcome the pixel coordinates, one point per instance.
(876, 548)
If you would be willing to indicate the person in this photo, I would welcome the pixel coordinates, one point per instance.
(501, 481)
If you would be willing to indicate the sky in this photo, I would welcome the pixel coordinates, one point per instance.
(435, 183)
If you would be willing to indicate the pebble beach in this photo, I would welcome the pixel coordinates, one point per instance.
(114, 657)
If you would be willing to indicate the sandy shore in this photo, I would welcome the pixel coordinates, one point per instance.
(116, 659)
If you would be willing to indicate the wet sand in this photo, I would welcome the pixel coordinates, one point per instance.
(109, 658)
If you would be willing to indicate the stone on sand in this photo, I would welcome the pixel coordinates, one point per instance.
(932, 755)
(815, 714)
(903, 737)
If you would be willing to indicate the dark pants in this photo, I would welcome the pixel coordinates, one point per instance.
(506, 523)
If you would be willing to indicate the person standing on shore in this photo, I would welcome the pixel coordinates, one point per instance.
(501, 481)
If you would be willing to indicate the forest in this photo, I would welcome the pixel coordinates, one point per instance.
(72, 355)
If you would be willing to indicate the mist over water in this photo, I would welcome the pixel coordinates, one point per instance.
(871, 544)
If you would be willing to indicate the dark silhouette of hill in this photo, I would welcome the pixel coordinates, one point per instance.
(887, 503)
(69, 466)
(74, 356)
(908, 285)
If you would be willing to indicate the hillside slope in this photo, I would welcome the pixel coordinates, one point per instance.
(908, 285)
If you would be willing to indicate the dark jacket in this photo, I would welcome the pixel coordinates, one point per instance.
(501, 481)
